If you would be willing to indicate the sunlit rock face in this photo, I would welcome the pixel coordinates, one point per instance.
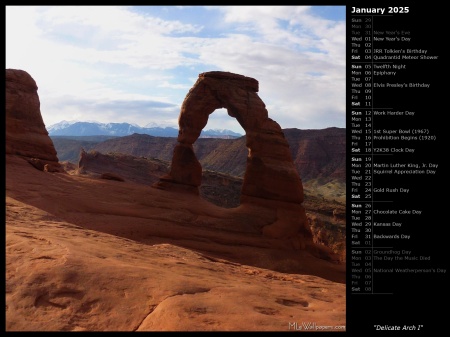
(271, 179)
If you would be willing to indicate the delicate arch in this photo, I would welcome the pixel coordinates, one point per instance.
(271, 178)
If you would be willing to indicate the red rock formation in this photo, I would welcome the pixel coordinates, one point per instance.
(271, 179)
(130, 168)
(318, 154)
(26, 134)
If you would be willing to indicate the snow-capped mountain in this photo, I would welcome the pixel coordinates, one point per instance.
(60, 125)
(77, 128)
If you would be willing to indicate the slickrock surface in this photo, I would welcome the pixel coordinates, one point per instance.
(87, 253)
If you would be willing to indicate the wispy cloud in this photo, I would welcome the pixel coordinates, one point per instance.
(136, 64)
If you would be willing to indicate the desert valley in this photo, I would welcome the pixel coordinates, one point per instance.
(142, 233)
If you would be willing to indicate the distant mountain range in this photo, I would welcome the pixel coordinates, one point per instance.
(76, 128)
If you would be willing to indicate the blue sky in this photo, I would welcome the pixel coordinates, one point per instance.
(136, 64)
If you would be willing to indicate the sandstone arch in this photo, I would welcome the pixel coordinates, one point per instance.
(271, 179)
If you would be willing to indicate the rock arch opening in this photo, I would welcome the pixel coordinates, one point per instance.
(223, 159)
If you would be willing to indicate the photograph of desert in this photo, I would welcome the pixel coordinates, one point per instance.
(192, 230)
